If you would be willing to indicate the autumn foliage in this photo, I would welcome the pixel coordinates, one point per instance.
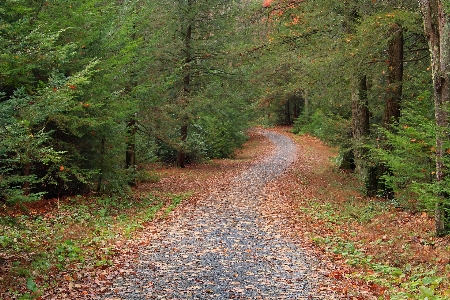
(267, 3)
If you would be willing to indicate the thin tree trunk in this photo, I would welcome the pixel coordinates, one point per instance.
(130, 156)
(130, 152)
(360, 127)
(102, 161)
(26, 184)
(437, 30)
(392, 102)
(288, 113)
(297, 105)
(306, 104)
(354, 157)
(181, 157)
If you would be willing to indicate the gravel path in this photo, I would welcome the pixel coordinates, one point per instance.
(223, 248)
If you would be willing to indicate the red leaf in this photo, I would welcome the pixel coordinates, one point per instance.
(267, 3)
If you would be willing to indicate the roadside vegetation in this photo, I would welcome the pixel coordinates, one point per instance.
(47, 241)
(379, 249)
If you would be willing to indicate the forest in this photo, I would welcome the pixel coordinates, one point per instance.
(94, 94)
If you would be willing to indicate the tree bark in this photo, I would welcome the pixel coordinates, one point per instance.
(130, 157)
(394, 78)
(181, 156)
(130, 153)
(288, 113)
(436, 26)
(102, 161)
(392, 105)
(26, 185)
(354, 157)
(360, 127)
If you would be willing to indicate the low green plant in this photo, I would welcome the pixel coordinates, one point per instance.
(405, 282)
(402, 283)
(79, 233)
(147, 176)
(150, 213)
(363, 212)
(329, 127)
(176, 200)
(68, 251)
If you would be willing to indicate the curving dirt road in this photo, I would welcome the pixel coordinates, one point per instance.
(224, 248)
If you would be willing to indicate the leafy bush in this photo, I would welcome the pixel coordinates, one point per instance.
(333, 129)
(222, 135)
(32, 158)
(409, 153)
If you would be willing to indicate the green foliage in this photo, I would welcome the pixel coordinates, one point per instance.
(303, 49)
(68, 252)
(333, 129)
(221, 127)
(410, 155)
(28, 126)
(31, 285)
(66, 114)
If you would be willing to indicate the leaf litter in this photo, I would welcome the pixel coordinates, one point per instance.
(231, 240)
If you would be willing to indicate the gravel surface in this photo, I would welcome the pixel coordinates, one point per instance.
(223, 248)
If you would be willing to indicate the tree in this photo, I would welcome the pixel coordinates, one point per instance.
(360, 127)
(192, 75)
(40, 104)
(437, 30)
(395, 77)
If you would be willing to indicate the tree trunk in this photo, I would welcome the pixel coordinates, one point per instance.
(130, 153)
(354, 157)
(392, 102)
(297, 105)
(306, 104)
(360, 127)
(181, 156)
(437, 30)
(102, 161)
(394, 79)
(130, 157)
(288, 113)
(26, 184)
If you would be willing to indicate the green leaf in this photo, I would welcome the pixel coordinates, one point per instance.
(31, 285)
(408, 267)
(427, 292)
